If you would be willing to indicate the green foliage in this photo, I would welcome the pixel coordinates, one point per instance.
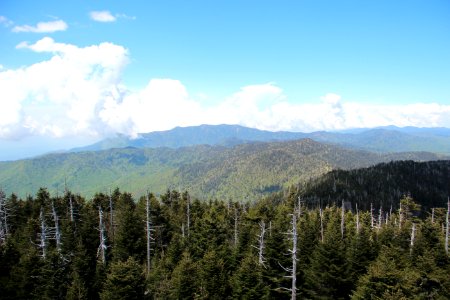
(248, 281)
(382, 185)
(243, 172)
(328, 275)
(185, 284)
(125, 280)
(209, 263)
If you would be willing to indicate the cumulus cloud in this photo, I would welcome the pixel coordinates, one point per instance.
(63, 95)
(102, 16)
(79, 92)
(43, 27)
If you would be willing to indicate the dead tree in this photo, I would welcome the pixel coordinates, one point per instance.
(261, 245)
(270, 228)
(188, 213)
(149, 231)
(380, 218)
(42, 235)
(321, 224)
(236, 223)
(293, 270)
(56, 230)
(357, 219)
(342, 219)
(413, 236)
(446, 226)
(72, 219)
(102, 247)
(371, 216)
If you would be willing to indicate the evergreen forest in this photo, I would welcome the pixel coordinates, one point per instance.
(288, 245)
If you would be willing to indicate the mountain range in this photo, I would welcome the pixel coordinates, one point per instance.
(243, 171)
(381, 139)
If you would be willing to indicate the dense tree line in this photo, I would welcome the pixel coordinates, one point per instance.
(382, 185)
(175, 247)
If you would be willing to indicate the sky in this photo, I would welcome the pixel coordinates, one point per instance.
(75, 72)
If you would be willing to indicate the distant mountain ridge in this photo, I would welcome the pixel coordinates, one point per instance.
(381, 139)
(178, 137)
(244, 171)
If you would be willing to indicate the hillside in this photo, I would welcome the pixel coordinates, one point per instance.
(241, 172)
(384, 139)
(383, 185)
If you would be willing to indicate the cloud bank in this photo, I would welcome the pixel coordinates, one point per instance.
(79, 92)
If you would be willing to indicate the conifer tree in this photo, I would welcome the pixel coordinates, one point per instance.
(125, 280)
(328, 275)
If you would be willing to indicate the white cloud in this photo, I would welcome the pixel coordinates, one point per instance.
(127, 17)
(43, 27)
(5, 21)
(79, 92)
(102, 16)
(61, 96)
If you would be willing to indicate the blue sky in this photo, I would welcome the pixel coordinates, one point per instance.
(73, 72)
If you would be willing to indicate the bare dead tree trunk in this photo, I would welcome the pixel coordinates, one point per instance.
(261, 246)
(293, 252)
(57, 231)
(446, 226)
(400, 216)
(432, 215)
(380, 218)
(102, 247)
(371, 216)
(43, 235)
(270, 228)
(188, 214)
(148, 231)
(342, 219)
(413, 236)
(357, 219)
(321, 224)
(71, 208)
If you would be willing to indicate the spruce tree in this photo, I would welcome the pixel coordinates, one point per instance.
(125, 280)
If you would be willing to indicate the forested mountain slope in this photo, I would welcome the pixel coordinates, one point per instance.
(241, 172)
(382, 185)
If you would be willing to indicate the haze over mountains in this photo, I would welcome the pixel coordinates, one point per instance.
(381, 139)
